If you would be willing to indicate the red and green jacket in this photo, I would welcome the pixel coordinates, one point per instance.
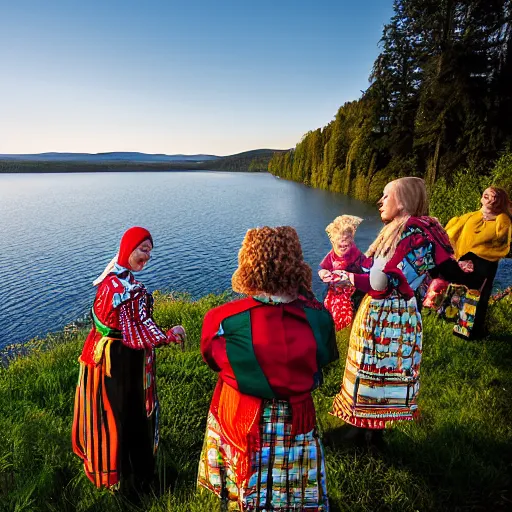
(262, 350)
(269, 350)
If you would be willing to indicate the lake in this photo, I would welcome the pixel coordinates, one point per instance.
(58, 231)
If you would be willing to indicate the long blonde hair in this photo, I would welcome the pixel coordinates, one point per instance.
(411, 196)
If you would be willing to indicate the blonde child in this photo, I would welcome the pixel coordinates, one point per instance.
(343, 257)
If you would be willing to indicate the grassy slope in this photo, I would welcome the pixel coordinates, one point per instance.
(457, 457)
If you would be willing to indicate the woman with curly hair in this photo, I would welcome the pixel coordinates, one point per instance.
(261, 448)
(480, 240)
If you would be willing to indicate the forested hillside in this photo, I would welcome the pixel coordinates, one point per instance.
(439, 106)
(255, 160)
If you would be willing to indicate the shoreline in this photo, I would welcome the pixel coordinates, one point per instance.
(142, 169)
(83, 324)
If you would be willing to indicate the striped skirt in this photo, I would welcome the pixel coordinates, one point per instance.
(286, 474)
(381, 380)
(95, 432)
(111, 431)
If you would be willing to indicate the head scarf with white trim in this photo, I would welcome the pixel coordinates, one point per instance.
(131, 239)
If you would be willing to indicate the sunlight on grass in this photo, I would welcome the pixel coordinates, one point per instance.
(457, 456)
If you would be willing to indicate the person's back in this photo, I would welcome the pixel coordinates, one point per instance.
(261, 447)
(268, 349)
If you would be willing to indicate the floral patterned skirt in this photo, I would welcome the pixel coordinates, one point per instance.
(338, 302)
(286, 474)
(381, 380)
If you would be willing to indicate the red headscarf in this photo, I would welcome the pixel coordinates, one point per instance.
(132, 238)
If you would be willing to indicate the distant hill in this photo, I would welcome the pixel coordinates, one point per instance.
(117, 156)
(255, 160)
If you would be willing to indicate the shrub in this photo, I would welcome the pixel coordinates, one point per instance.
(462, 195)
(501, 175)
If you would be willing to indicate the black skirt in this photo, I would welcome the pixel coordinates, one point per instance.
(485, 269)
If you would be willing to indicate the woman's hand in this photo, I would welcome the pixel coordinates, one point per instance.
(466, 266)
(177, 335)
(325, 275)
(342, 278)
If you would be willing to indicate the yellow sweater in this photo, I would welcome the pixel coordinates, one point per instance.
(488, 239)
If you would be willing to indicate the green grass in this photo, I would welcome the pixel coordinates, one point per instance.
(456, 457)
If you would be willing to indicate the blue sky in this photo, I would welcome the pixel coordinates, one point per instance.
(171, 77)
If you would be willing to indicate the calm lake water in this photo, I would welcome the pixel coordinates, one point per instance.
(58, 231)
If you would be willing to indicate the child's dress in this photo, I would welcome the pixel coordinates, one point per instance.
(339, 300)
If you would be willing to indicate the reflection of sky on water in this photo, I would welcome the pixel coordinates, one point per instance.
(58, 231)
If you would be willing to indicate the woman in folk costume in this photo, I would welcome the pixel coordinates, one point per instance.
(115, 424)
(480, 240)
(344, 255)
(381, 380)
(261, 448)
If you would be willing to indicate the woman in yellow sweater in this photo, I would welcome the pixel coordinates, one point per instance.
(482, 238)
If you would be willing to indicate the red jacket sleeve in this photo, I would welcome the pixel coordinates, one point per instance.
(209, 332)
(362, 282)
(213, 344)
(138, 328)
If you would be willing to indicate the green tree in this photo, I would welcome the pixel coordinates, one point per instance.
(438, 105)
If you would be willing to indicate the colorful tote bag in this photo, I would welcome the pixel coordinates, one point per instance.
(453, 301)
(467, 313)
(459, 306)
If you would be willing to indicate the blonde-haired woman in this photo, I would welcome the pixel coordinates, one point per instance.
(483, 238)
(381, 380)
(261, 448)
